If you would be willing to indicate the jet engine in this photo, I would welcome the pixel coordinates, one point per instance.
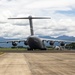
(51, 43)
(14, 43)
(62, 44)
(25, 43)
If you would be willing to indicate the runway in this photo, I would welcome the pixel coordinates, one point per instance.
(37, 63)
(14, 64)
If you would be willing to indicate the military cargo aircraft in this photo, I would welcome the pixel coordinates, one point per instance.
(33, 41)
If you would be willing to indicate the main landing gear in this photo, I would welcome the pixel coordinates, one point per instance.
(43, 49)
(30, 49)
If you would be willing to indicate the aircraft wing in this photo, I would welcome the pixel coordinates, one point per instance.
(57, 40)
(10, 41)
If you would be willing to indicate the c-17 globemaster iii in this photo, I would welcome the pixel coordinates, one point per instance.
(33, 41)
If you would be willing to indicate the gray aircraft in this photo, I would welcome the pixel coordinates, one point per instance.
(35, 42)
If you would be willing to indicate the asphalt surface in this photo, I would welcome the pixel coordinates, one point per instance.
(37, 63)
(14, 64)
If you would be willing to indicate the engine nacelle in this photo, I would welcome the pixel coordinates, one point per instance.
(62, 44)
(14, 43)
(25, 43)
(51, 43)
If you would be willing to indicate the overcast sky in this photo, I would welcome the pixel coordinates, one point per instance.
(62, 13)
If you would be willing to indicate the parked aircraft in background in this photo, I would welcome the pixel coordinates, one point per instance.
(35, 42)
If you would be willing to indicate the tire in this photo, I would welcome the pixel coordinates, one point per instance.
(43, 49)
(29, 49)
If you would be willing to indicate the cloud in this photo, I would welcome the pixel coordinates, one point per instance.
(8, 30)
(59, 24)
(52, 4)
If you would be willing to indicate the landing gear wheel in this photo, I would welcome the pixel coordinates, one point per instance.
(29, 49)
(43, 49)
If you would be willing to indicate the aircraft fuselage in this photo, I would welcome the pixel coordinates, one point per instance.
(35, 43)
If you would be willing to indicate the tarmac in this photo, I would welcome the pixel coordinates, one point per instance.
(37, 63)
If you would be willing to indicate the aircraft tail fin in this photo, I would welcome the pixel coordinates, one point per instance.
(30, 21)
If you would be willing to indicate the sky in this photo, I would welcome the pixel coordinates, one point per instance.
(61, 12)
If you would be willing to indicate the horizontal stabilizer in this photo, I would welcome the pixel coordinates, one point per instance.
(30, 17)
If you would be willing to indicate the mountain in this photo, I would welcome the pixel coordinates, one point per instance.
(47, 37)
(64, 37)
(8, 44)
(2, 39)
